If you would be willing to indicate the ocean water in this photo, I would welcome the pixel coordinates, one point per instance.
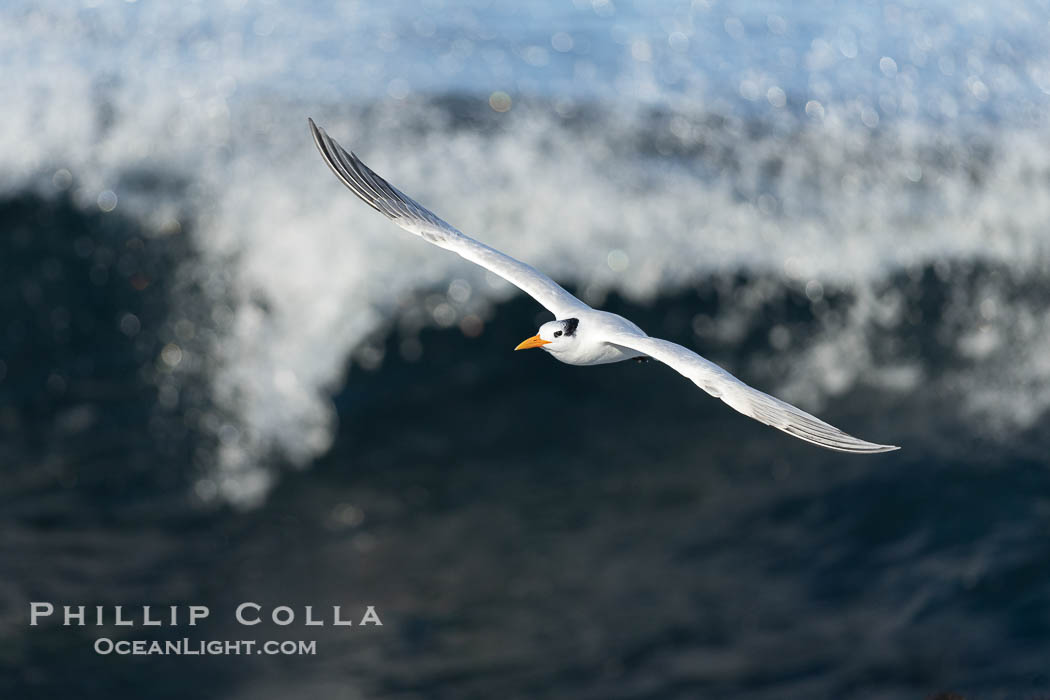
(223, 378)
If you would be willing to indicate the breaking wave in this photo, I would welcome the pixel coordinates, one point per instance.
(644, 168)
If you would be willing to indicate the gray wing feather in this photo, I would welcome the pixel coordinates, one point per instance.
(746, 399)
(412, 216)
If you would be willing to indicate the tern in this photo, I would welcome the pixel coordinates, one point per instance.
(580, 335)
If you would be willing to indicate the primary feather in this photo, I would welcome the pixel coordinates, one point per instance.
(747, 399)
(415, 218)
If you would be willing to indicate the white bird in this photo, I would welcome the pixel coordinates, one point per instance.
(580, 335)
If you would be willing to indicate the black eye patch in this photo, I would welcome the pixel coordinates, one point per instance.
(570, 325)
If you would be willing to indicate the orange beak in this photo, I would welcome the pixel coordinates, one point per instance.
(533, 342)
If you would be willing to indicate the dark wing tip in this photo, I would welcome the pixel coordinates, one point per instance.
(346, 167)
(315, 130)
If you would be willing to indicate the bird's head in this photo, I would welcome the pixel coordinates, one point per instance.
(554, 336)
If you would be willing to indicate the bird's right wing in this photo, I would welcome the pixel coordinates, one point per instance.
(746, 399)
(415, 218)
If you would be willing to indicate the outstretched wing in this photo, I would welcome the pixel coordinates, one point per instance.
(748, 400)
(415, 218)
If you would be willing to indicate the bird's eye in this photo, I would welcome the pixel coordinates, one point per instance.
(557, 334)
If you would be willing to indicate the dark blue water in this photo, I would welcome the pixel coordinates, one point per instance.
(526, 528)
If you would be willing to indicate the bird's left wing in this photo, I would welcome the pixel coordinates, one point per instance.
(746, 399)
(415, 218)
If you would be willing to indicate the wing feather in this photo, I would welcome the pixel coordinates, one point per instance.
(746, 399)
(412, 216)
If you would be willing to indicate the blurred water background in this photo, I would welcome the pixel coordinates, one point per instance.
(223, 378)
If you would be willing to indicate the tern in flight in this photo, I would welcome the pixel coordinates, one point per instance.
(580, 335)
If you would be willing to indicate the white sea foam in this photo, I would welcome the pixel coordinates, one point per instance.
(599, 192)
